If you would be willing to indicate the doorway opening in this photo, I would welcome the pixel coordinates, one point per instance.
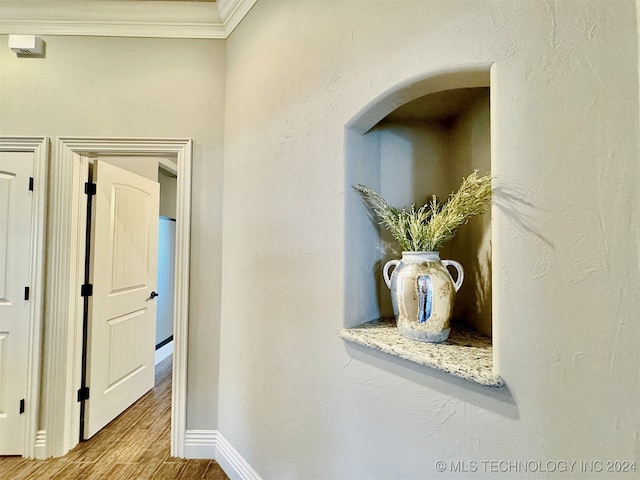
(166, 263)
(63, 338)
(119, 290)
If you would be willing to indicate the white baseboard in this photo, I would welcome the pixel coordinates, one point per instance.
(163, 352)
(213, 445)
(40, 446)
(200, 444)
(234, 465)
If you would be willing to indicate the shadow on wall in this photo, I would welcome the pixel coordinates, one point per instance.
(497, 400)
(519, 211)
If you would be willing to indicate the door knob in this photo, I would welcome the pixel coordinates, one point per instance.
(153, 295)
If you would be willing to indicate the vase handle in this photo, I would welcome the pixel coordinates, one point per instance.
(458, 282)
(385, 271)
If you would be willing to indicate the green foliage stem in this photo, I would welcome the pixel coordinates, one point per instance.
(428, 227)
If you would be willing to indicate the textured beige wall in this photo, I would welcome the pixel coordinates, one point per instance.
(125, 87)
(144, 166)
(295, 400)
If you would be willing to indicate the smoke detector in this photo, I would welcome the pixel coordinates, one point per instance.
(26, 44)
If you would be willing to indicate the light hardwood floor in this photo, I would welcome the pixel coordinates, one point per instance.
(135, 446)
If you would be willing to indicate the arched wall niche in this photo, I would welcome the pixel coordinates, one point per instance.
(418, 138)
(465, 76)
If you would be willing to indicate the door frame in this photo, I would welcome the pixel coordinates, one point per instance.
(67, 218)
(39, 148)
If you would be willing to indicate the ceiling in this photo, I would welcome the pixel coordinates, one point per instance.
(440, 106)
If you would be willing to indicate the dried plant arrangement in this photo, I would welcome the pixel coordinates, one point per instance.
(428, 227)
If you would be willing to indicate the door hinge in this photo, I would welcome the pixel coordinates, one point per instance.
(26, 293)
(90, 188)
(31, 183)
(21, 406)
(86, 290)
(83, 394)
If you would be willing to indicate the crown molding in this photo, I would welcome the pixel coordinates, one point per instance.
(232, 12)
(123, 18)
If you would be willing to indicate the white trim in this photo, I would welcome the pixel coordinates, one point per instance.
(39, 147)
(234, 464)
(232, 12)
(76, 302)
(163, 352)
(119, 18)
(40, 448)
(181, 303)
(200, 444)
(61, 381)
(213, 445)
(168, 165)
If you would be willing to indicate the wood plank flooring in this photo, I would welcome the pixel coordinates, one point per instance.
(134, 446)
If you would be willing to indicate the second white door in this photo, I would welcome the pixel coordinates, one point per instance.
(122, 312)
(15, 279)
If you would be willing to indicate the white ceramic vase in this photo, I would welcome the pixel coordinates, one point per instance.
(423, 293)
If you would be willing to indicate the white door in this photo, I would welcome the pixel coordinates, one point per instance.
(121, 327)
(15, 265)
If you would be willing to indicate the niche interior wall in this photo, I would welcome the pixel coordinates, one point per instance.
(417, 140)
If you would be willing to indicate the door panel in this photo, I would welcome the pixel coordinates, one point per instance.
(7, 179)
(125, 359)
(15, 266)
(121, 329)
(130, 244)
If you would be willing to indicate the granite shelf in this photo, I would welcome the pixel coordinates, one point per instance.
(466, 354)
